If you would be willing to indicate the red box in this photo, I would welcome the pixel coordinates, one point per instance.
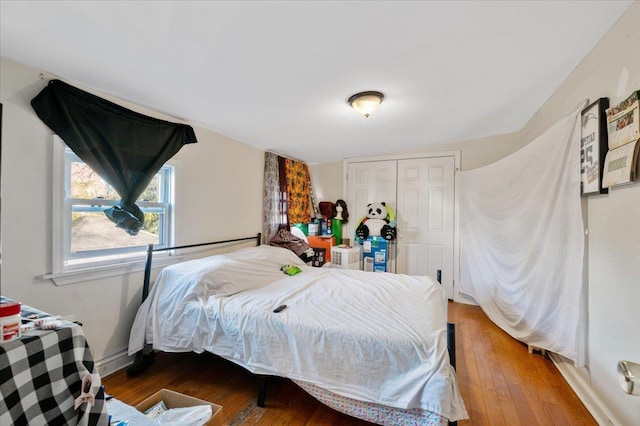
(323, 241)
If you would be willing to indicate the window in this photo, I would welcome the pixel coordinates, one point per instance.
(87, 237)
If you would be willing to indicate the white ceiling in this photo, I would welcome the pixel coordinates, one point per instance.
(277, 75)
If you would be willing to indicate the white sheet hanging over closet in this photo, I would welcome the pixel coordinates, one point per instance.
(522, 242)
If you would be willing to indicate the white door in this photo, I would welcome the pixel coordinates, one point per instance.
(368, 182)
(425, 216)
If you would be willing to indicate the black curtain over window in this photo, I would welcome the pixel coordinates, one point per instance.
(124, 147)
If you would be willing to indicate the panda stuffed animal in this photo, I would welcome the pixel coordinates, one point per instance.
(376, 223)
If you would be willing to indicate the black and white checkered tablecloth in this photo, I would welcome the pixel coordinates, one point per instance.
(41, 377)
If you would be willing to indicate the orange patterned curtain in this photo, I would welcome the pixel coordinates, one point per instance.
(298, 191)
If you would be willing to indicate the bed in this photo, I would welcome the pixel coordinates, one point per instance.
(370, 345)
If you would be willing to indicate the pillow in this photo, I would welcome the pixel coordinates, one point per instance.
(278, 255)
(245, 269)
(298, 233)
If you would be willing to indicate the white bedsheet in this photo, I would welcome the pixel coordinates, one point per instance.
(369, 336)
(523, 241)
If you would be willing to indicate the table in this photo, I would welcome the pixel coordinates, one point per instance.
(41, 376)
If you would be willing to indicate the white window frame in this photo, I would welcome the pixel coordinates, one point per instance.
(68, 268)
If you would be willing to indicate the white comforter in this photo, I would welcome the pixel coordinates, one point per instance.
(369, 336)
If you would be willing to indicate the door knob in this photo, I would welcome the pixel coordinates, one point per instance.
(629, 377)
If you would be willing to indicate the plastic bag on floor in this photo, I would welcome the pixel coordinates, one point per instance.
(197, 415)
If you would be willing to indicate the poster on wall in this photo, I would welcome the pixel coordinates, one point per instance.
(623, 124)
(623, 121)
(593, 147)
(620, 164)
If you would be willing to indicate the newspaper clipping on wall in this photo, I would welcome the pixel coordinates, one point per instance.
(623, 128)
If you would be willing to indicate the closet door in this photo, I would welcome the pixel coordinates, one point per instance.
(368, 182)
(425, 216)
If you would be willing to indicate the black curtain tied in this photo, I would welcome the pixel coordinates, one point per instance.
(124, 147)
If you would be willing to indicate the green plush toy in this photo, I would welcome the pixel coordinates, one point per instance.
(290, 269)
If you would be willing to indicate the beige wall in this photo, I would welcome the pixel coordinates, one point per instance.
(479, 152)
(215, 199)
(327, 178)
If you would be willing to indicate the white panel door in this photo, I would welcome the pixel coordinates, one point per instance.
(368, 182)
(425, 217)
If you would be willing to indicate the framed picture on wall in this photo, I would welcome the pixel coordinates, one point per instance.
(593, 147)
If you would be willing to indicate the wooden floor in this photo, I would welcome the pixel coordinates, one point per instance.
(500, 382)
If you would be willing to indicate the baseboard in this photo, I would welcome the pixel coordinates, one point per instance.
(583, 390)
(113, 363)
(464, 298)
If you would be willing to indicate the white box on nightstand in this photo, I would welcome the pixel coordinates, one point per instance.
(345, 257)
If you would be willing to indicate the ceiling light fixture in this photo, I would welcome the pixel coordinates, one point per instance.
(366, 102)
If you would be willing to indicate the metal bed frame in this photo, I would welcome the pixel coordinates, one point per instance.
(151, 250)
(143, 361)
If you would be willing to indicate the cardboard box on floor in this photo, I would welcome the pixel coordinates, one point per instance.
(178, 400)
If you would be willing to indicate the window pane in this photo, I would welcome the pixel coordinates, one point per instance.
(85, 183)
(94, 231)
(152, 194)
(89, 237)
